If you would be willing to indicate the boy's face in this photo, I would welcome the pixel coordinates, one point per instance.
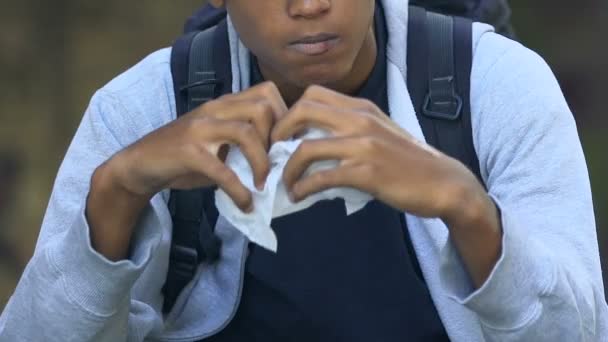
(303, 42)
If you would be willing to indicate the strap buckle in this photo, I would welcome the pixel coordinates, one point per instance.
(184, 260)
(204, 82)
(201, 89)
(442, 101)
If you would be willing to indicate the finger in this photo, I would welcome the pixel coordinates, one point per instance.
(259, 112)
(228, 181)
(370, 114)
(311, 151)
(308, 114)
(246, 137)
(263, 119)
(354, 176)
(267, 91)
(270, 91)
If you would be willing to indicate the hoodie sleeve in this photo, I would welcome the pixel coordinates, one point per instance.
(69, 292)
(547, 284)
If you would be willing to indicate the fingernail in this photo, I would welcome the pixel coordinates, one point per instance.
(250, 208)
(260, 186)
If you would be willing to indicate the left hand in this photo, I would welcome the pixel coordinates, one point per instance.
(375, 155)
(378, 157)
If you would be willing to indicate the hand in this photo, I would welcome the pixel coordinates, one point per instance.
(189, 152)
(375, 155)
(378, 157)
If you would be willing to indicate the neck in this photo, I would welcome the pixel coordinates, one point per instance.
(360, 71)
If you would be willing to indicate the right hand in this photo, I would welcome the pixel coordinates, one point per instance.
(190, 151)
(185, 154)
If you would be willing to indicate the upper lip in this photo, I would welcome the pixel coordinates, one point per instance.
(317, 38)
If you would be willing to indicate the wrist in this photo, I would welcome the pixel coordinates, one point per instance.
(111, 181)
(112, 213)
(469, 205)
(475, 230)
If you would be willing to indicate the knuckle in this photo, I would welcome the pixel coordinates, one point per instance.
(323, 178)
(262, 108)
(296, 109)
(314, 179)
(369, 144)
(245, 128)
(367, 105)
(302, 106)
(268, 89)
(364, 122)
(313, 90)
(257, 108)
(304, 149)
(248, 134)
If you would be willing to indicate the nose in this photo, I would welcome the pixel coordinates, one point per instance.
(308, 9)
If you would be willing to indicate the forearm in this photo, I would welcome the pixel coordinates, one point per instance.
(515, 278)
(533, 293)
(546, 284)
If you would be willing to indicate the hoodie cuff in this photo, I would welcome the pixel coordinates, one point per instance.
(90, 280)
(510, 297)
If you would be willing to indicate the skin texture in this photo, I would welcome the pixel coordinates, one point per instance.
(372, 150)
(268, 27)
(184, 154)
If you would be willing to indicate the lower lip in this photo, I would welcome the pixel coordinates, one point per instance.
(315, 49)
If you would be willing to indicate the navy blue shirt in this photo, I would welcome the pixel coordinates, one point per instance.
(337, 277)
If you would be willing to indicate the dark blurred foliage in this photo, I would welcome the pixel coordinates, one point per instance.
(9, 176)
(55, 54)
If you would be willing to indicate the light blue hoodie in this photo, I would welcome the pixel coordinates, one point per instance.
(547, 285)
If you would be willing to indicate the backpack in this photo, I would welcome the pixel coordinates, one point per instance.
(439, 86)
(494, 12)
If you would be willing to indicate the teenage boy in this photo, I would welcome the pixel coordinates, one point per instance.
(514, 259)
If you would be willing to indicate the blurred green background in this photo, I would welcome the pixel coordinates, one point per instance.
(55, 54)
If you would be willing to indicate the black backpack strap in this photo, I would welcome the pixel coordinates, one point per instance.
(494, 12)
(440, 56)
(199, 75)
(204, 17)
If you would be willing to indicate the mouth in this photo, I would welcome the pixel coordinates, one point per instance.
(316, 44)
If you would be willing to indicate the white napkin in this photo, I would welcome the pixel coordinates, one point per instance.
(274, 201)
